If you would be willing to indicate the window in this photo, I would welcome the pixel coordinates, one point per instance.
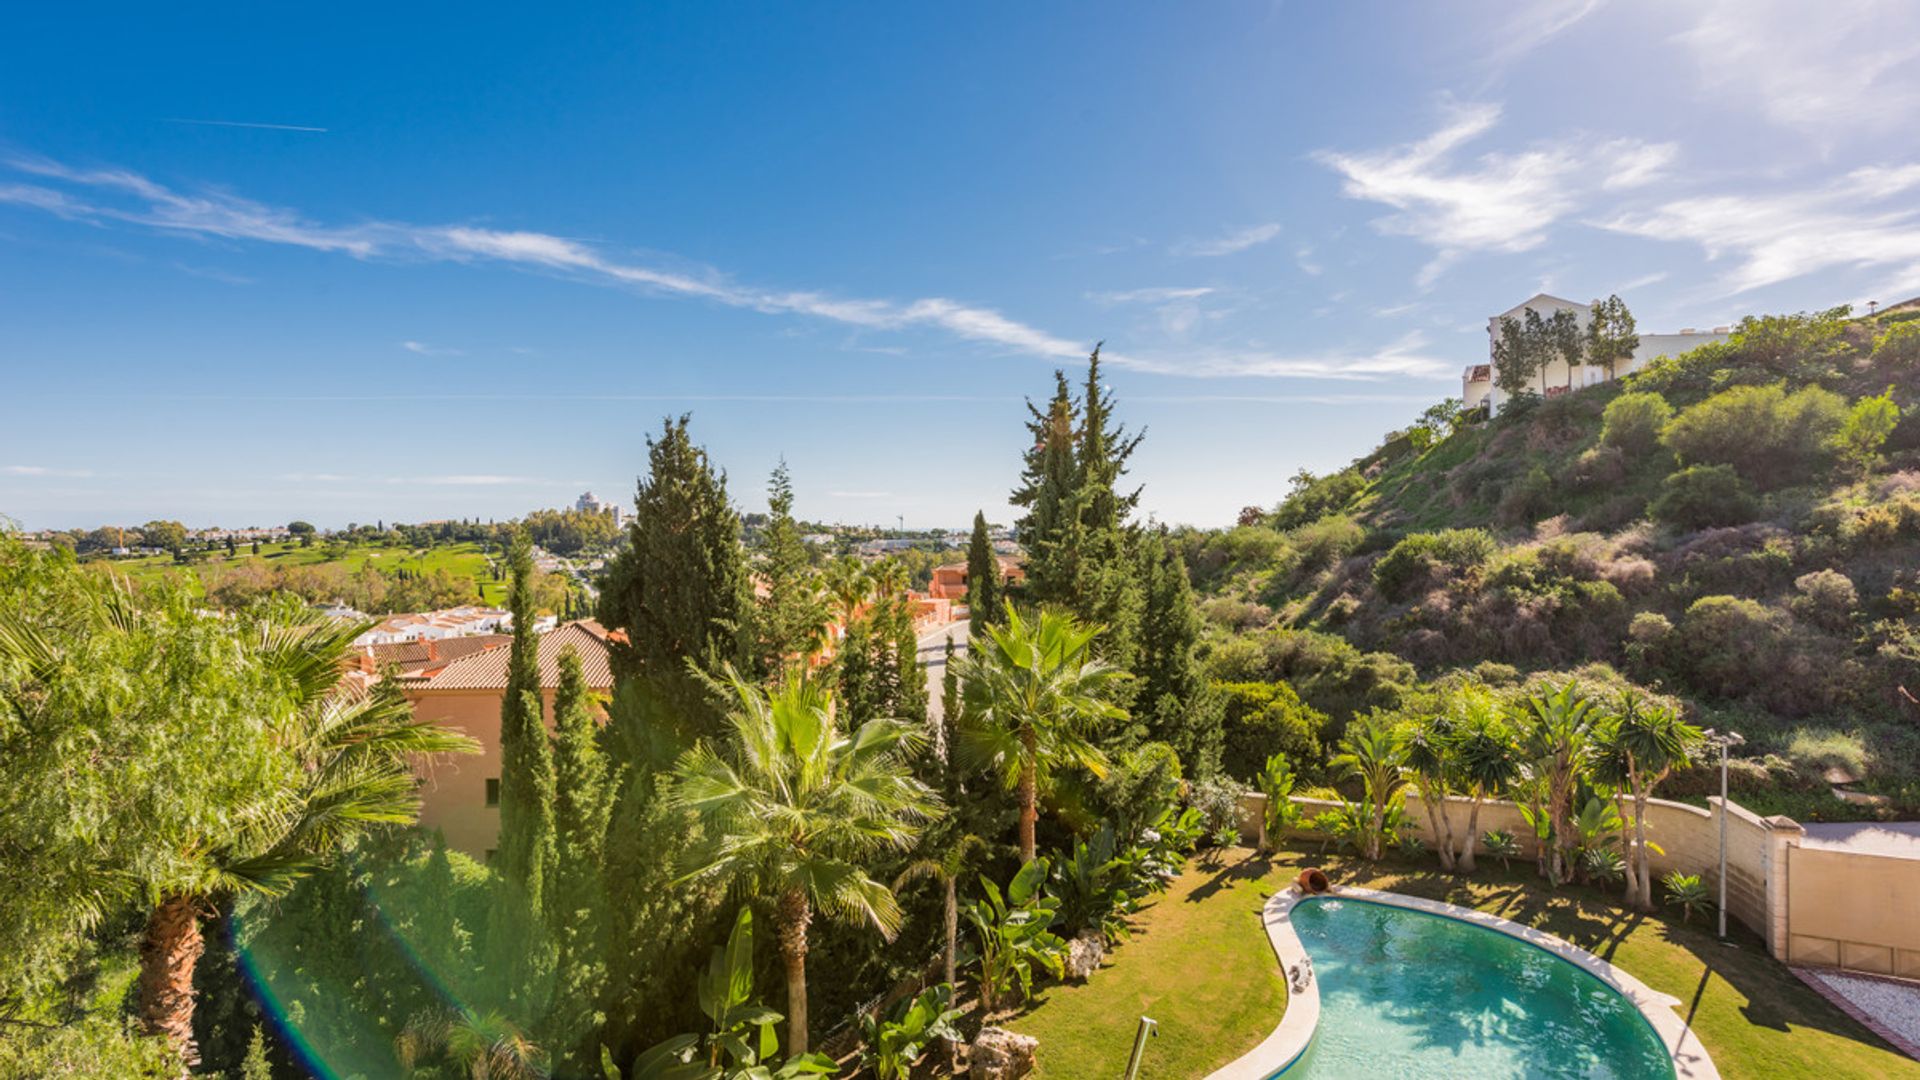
(493, 791)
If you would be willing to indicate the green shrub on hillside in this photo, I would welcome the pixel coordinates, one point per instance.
(1633, 422)
(1826, 598)
(1330, 673)
(1900, 344)
(1263, 719)
(1729, 644)
(1419, 560)
(1766, 434)
(1704, 496)
(1326, 541)
(1314, 497)
(1868, 424)
(1526, 500)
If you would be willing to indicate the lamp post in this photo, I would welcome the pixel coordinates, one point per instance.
(1725, 740)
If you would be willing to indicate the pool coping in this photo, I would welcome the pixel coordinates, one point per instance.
(1290, 1039)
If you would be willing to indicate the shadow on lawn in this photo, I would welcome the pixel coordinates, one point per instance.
(1252, 866)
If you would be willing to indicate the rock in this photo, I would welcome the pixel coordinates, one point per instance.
(1084, 954)
(999, 1054)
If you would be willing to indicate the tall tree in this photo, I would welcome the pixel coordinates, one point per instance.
(1173, 691)
(1426, 750)
(1651, 741)
(793, 807)
(1486, 757)
(576, 898)
(1049, 492)
(1370, 752)
(1568, 341)
(877, 671)
(1516, 356)
(1108, 593)
(1035, 695)
(792, 618)
(1558, 725)
(983, 576)
(525, 858)
(680, 587)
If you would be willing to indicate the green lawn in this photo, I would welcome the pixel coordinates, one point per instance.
(1201, 966)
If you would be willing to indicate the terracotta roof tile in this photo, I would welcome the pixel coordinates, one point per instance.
(487, 669)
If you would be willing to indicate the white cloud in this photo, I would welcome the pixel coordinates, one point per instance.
(1150, 295)
(1851, 66)
(1522, 28)
(104, 196)
(1778, 237)
(245, 124)
(1237, 241)
(1406, 357)
(421, 348)
(43, 470)
(1303, 258)
(1642, 281)
(1499, 202)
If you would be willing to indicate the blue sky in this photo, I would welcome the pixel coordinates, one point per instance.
(418, 261)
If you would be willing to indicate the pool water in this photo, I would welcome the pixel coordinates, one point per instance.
(1408, 994)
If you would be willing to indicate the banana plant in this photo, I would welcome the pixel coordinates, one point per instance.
(1089, 888)
(742, 1042)
(894, 1045)
(1015, 936)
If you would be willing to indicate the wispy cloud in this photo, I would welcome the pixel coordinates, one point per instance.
(43, 470)
(106, 196)
(1778, 237)
(1522, 29)
(244, 124)
(1236, 241)
(1303, 258)
(1498, 202)
(421, 348)
(1151, 295)
(1853, 67)
(1643, 281)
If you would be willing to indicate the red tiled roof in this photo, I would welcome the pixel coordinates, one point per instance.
(487, 669)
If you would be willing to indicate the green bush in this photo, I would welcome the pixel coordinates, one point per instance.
(1766, 434)
(1263, 719)
(1327, 541)
(1314, 497)
(1868, 424)
(1730, 645)
(1704, 496)
(1633, 422)
(1826, 599)
(1900, 344)
(1527, 500)
(1415, 562)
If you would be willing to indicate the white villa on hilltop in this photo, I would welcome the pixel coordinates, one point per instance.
(1476, 384)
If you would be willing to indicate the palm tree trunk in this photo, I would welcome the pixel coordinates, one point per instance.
(1473, 830)
(1645, 856)
(1379, 823)
(953, 930)
(169, 951)
(795, 914)
(1029, 795)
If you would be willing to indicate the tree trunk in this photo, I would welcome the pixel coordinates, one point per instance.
(795, 914)
(169, 951)
(1379, 824)
(1446, 831)
(1442, 839)
(1473, 831)
(1627, 852)
(1643, 854)
(1029, 796)
(953, 931)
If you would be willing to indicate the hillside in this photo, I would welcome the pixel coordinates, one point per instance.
(1737, 527)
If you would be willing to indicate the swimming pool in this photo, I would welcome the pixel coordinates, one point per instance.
(1408, 993)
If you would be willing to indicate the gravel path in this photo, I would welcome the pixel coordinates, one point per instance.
(1890, 1007)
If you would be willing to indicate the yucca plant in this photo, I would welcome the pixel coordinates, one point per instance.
(1688, 893)
(1502, 845)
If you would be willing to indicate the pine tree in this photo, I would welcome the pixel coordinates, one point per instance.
(525, 857)
(257, 1066)
(576, 906)
(1050, 528)
(983, 578)
(680, 588)
(791, 620)
(1108, 593)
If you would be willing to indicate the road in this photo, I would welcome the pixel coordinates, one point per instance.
(933, 657)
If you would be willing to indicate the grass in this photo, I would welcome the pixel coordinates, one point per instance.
(1199, 964)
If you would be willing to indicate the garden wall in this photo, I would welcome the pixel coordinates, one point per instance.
(1687, 838)
(1854, 909)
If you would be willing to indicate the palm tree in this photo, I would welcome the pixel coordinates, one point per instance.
(485, 1046)
(1033, 693)
(1427, 752)
(946, 867)
(1370, 751)
(1488, 759)
(792, 806)
(327, 763)
(1559, 723)
(848, 586)
(1650, 741)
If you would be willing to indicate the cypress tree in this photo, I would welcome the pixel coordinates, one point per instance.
(1050, 528)
(1182, 712)
(576, 905)
(1108, 591)
(983, 578)
(680, 588)
(525, 858)
(789, 622)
